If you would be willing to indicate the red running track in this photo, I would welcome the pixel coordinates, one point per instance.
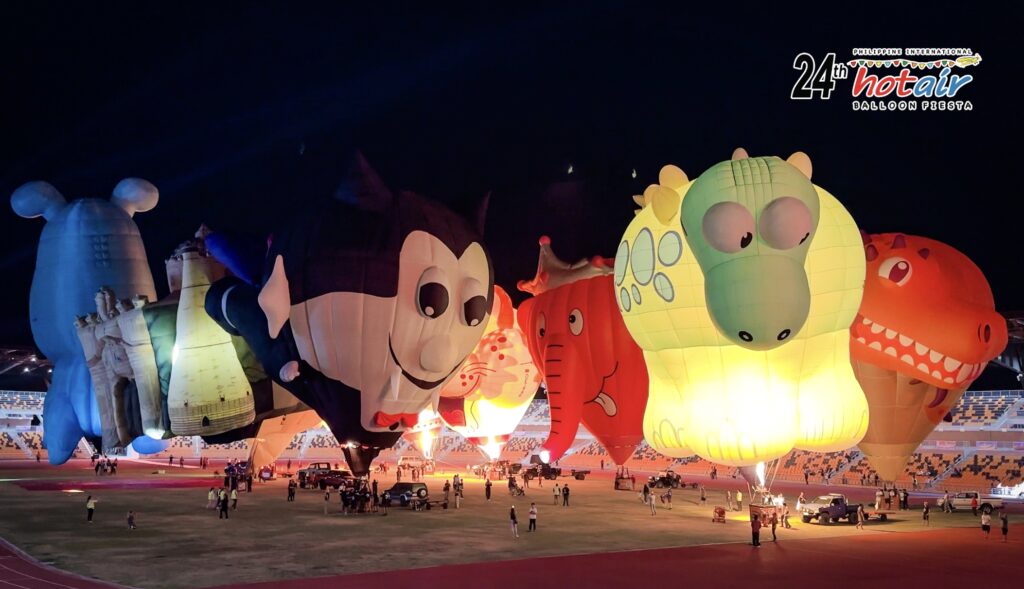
(938, 559)
(20, 571)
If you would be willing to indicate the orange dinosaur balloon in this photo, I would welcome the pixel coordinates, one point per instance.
(926, 329)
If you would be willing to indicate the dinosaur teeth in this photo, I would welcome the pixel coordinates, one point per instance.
(875, 346)
(923, 368)
(921, 349)
(936, 374)
(862, 340)
(908, 359)
(934, 356)
(866, 321)
(876, 328)
(890, 333)
(965, 372)
(947, 380)
(891, 351)
(905, 341)
(951, 364)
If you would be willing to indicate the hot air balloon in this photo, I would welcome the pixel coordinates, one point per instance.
(86, 244)
(739, 287)
(594, 371)
(494, 387)
(926, 329)
(369, 303)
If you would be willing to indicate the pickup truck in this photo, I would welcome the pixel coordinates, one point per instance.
(312, 469)
(551, 473)
(829, 509)
(333, 478)
(963, 501)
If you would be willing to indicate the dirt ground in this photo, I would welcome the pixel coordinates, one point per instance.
(180, 544)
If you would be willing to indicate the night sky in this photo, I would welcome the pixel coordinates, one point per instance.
(239, 115)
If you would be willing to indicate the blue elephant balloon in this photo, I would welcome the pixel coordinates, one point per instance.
(85, 245)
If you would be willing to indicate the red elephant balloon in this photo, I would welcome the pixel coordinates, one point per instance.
(594, 371)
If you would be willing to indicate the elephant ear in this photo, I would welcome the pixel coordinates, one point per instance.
(34, 199)
(135, 195)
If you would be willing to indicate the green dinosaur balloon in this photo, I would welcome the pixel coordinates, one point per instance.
(749, 222)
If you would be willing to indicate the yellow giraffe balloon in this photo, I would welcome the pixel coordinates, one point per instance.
(725, 402)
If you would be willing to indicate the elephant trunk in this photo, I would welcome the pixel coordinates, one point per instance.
(565, 381)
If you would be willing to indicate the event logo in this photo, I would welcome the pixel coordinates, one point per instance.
(891, 79)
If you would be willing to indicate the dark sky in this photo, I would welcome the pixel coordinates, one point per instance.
(240, 113)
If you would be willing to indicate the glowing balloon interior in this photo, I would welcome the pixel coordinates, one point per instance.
(741, 299)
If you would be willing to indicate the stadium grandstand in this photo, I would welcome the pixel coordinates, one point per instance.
(980, 447)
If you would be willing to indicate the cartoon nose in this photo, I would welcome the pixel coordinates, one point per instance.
(747, 337)
(985, 332)
(438, 354)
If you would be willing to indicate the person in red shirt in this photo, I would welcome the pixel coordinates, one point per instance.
(974, 505)
(755, 531)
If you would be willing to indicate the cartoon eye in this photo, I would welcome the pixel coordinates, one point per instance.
(540, 325)
(432, 294)
(785, 223)
(433, 300)
(728, 227)
(576, 322)
(474, 307)
(474, 310)
(896, 269)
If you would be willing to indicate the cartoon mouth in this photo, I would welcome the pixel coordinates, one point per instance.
(419, 382)
(603, 399)
(940, 396)
(913, 353)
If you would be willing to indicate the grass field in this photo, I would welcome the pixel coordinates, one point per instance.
(180, 544)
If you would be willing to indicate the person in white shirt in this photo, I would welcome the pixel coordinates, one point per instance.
(986, 523)
(556, 493)
(533, 518)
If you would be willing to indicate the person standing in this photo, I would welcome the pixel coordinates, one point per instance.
(211, 499)
(775, 522)
(234, 499)
(90, 508)
(223, 505)
(926, 514)
(131, 520)
(291, 490)
(447, 490)
(487, 489)
(651, 501)
(946, 506)
(785, 516)
(514, 522)
(728, 500)
(703, 496)
(755, 531)
(533, 517)
(860, 517)
(739, 500)
(385, 501)
(645, 494)
(565, 495)
(1004, 521)
(181, 462)
(327, 499)
(556, 493)
(986, 523)
(289, 467)
(170, 460)
(667, 498)
(974, 505)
